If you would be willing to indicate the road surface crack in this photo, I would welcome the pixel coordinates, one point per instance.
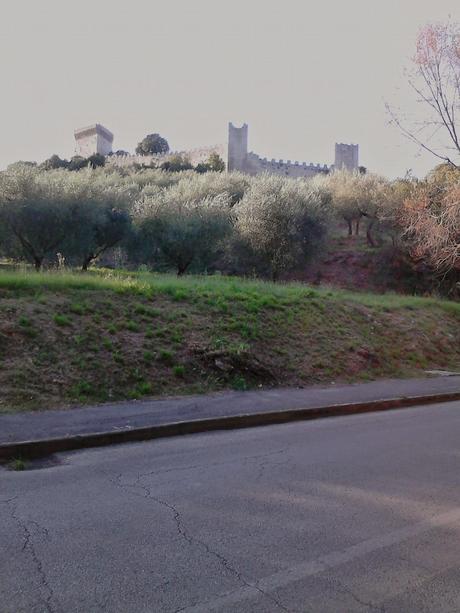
(28, 546)
(259, 456)
(191, 540)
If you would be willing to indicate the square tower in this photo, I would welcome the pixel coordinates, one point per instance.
(237, 147)
(93, 139)
(346, 157)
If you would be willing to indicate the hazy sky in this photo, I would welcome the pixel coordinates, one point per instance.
(303, 74)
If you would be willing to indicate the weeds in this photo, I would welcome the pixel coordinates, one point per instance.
(61, 320)
(179, 371)
(166, 356)
(17, 464)
(132, 326)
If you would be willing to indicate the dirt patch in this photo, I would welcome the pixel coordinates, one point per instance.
(346, 262)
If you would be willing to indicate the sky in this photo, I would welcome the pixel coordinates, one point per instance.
(303, 74)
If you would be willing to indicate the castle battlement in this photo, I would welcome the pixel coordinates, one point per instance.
(346, 156)
(97, 139)
(254, 164)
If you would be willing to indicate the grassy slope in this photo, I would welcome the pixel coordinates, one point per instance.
(72, 338)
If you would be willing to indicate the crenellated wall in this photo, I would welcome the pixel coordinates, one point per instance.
(346, 156)
(235, 155)
(255, 165)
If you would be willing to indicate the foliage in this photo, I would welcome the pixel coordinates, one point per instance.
(177, 163)
(121, 152)
(431, 222)
(76, 214)
(231, 222)
(214, 163)
(183, 230)
(96, 160)
(282, 221)
(344, 187)
(357, 196)
(77, 162)
(198, 187)
(36, 211)
(21, 164)
(102, 221)
(152, 144)
(54, 163)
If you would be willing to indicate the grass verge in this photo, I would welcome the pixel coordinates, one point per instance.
(69, 338)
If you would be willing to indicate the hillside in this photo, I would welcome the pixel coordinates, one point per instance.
(349, 263)
(68, 339)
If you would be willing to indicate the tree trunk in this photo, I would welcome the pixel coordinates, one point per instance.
(181, 268)
(350, 228)
(358, 221)
(86, 262)
(38, 263)
(370, 238)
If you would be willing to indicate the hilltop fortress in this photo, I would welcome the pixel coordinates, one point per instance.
(238, 158)
(97, 139)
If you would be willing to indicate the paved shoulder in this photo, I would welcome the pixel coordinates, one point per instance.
(141, 414)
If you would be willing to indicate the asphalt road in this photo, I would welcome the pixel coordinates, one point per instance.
(358, 513)
(23, 426)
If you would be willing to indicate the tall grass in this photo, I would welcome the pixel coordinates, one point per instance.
(212, 287)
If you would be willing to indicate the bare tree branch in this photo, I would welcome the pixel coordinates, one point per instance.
(435, 78)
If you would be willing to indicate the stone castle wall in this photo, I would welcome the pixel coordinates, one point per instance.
(239, 158)
(255, 165)
(235, 155)
(195, 156)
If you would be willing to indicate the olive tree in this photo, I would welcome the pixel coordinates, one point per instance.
(357, 196)
(196, 187)
(282, 221)
(102, 221)
(183, 231)
(346, 192)
(38, 211)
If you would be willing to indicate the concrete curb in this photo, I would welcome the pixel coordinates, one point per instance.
(40, 448)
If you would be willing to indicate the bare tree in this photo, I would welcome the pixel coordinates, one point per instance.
(435, 79)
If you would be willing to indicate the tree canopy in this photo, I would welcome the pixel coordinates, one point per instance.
(152, 144)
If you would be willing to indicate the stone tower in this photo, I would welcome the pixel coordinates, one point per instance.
(346, 157)
(93, 139)
(237, 147)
